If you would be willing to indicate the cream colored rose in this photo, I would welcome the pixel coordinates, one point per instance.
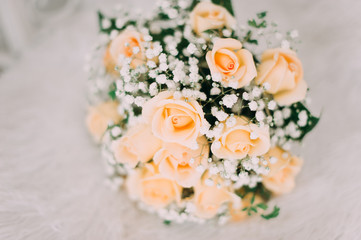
(174, 120)
(109, 63)
(137, 145)
(149, 186)
(281, 178)
(128, 43)
(208, 200)
(236, 142)
(180, 163)
(100, 116)
(282, 69)
(232, 64)
(207, 15)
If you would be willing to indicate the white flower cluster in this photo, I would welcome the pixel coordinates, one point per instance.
(99, 80)
(139, 58)
(269, 36)
(184, 213)
(286, 129)
(116, 172)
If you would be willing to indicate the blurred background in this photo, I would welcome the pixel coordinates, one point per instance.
(22, 20)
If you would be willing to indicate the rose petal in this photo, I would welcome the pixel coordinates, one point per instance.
(291, 96)
(227, 43)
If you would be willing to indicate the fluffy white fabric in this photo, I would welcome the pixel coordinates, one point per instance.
(51, 177)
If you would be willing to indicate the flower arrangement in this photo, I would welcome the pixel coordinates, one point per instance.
(195, 113)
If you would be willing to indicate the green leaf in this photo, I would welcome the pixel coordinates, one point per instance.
(312, 121)
(100, 19)
(137, 110)
(211, 32)
(258, 190)
(273, 214)
(254, 209)
(126, 119)
(263, 192)
(187, 192)
(261, 15)
(262, 206)
(254, 24)
(227, 4)
(167, 222)
(263, 24)
(253, 198)
(112, 91)
(253, 41)
(248, 38)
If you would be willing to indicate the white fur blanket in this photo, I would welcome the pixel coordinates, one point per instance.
(51, 177)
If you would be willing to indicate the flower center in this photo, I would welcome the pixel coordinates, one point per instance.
(183, 163)
(155, 194)
(224, 62)
(179, 121)
(184, 168)
(242, 148)
(230, 66)
(292, 67)
(175, 120)
(238, 141)
(210, 207)
(214, 14)
(129, 45)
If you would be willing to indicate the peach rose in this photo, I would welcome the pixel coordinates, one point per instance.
(231, 63)
(209, 199)
(137, 145)
(179, 163)
(149, 186)
(128, 43)
(207, 15)
(282, 69)
(100, 116)
(281, 178)
(174, 120)
(109, 63)
(236, 142)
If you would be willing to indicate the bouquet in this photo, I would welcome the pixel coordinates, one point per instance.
(196, 113)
